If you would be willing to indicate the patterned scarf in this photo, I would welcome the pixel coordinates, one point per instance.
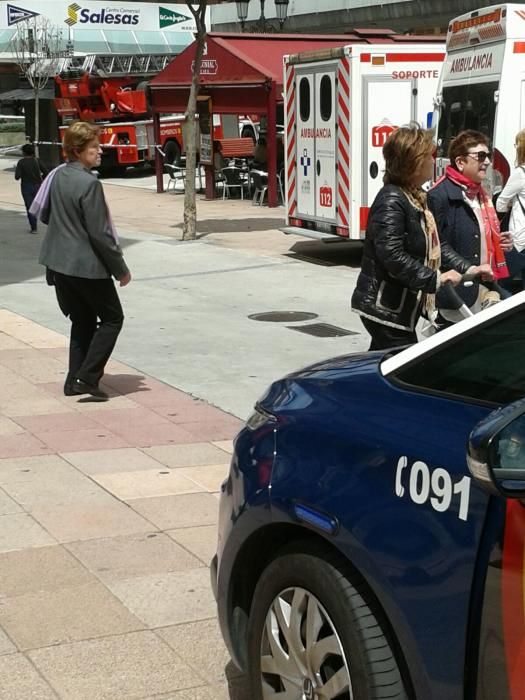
(40, 206)
(489, 216)
(418, 199)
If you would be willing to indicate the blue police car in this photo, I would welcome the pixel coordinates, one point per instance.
(372, 532)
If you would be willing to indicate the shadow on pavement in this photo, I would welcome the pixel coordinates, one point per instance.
(207, 227)
(238, 686)
(332, 254)
(125, 383)
(19, 249)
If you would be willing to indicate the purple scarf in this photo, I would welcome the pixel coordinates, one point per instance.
(40, 206)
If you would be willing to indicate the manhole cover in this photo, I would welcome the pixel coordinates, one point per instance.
(322, 330)
(283, 316)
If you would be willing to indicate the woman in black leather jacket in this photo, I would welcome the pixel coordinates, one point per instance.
(403, 261)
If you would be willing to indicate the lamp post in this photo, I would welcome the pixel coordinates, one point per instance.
(262, 24)
(242, 11)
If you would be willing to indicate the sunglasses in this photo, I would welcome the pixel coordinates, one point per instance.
(481, 156)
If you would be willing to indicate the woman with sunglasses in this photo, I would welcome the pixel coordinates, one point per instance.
(467, 221)
(512, 200)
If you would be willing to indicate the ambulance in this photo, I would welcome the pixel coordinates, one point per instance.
(340, 106)
(482, 85)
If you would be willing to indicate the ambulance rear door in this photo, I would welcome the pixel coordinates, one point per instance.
(325, 144)
(387, 105)
(316, 141)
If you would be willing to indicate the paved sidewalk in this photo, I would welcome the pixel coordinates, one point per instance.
(108, 518)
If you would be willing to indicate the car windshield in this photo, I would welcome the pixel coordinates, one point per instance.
(486, 364)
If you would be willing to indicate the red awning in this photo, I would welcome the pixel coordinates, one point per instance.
(240, 59)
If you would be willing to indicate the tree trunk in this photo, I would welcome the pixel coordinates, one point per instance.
(189, 227)
(37, 122)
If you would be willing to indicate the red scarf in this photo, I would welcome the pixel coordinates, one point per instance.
(490, 219)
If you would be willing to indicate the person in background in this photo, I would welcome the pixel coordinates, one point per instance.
(30, 171)
(260, 154)
(467, 221)
(403, 262)
(512, 201)
(81, 253)
(219, 162)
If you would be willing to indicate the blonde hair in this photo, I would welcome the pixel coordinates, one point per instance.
(520, 147)
(404, 151)
(77, 136)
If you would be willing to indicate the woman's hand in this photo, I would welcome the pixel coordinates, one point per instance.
(451, 276)
(484, 271)
(125, 279)
(505, 241)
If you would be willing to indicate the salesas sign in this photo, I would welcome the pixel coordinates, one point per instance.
(168, 18)
(85, 15)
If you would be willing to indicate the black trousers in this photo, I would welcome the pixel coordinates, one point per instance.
(96, 320)
(384, 337)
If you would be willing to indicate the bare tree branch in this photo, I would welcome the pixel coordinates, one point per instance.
(37, 48)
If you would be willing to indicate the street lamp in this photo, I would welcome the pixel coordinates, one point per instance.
(242, 11)
(281, 7)
(262, 24)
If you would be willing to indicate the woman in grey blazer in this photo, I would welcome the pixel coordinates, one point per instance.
(81, 253)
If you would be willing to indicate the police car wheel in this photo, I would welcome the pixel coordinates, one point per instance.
(312, 634)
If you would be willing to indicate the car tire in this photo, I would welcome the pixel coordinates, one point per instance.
(312, 590)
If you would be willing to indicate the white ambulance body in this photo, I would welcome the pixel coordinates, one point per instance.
(340, 106)
(482, 85)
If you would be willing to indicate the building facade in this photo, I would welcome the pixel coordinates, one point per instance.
(339, 16)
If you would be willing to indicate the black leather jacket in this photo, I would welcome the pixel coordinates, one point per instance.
(394, 277)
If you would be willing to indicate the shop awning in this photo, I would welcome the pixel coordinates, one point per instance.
(233, 69)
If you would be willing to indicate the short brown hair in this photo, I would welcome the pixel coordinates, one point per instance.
(77, 136)
(463, 142)
(404, 151)
(520, 147)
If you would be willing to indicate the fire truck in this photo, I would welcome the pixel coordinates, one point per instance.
(118, 105)
(340, 106)
(482, 85)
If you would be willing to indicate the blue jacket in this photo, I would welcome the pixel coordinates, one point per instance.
(458, 226)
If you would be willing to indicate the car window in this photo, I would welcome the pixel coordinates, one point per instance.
(486, 364)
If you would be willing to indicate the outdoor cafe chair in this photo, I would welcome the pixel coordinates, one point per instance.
(232, 181)
(259, 184)
(176, 174)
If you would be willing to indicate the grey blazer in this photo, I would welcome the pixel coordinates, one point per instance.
(78, 241)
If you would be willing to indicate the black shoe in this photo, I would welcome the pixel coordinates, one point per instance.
(68, 389)
(81, 387)
(33, 230)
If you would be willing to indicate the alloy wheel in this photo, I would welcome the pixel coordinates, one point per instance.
(302, 657)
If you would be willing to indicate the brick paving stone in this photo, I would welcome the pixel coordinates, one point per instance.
(123, 666)
(167, 599)
(124, 459)
(170, 512)
(65, 614)
(116, 558)
(19, 680)
(186, 455)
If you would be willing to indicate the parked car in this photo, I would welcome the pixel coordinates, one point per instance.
(372, 529)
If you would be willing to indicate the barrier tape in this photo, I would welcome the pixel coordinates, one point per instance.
(103, 145)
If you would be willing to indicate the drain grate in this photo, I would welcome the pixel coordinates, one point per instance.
(283, 316)
(322, 330)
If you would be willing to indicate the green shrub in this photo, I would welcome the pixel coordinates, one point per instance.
(13, 127)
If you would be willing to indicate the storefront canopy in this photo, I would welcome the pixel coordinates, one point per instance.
(233, 70)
